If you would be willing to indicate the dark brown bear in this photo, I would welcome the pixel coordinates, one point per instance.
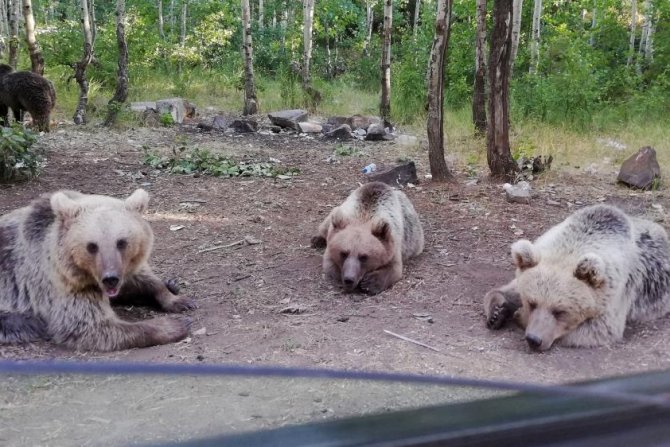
(24, 90)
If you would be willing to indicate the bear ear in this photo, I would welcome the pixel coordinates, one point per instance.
(524, 255)
(381, 230)
(591, 269)
(64, 207)
(138, 201)
(338, 221)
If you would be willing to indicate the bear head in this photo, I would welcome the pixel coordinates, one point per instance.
(101, 240)
(556, 298)
(357, 248)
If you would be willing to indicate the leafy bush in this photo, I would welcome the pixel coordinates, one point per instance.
(17, 160)
(202, 161)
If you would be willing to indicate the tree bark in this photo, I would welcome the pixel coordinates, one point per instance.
(161, 22)
(261, 13)
(536, 33)
(250, 101)
(633, 26)
(15, 7)
(182, 35)
(479, 88)
(385, 103)
(649, 43)
(4, 27)
(94, 23)
(308, 18)
(121, 93)
(517, 7)
(368, 27)
(438, 166)
(499, 157)
(594, 22)
(36, 59)
(172, 18)
(80, 68)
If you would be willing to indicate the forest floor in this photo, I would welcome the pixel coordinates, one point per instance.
(243, 289)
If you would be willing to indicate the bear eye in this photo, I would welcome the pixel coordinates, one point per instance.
(557, 313)
(532, 305)
(362, 258)
(121, 244)
(92, 248)
(344, 254)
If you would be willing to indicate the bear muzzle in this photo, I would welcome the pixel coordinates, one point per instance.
(111, 284)
(351, 274)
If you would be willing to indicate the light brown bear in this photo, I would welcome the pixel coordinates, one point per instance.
(62, 259)
(580, 282)
(369, 237)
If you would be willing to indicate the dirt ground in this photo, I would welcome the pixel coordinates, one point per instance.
(241, 290)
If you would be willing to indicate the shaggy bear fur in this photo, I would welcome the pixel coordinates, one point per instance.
(24, 90)
(582, 280)
(62, 259)
(368, 237)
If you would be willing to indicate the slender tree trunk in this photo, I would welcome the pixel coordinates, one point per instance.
(633, 26)
(646, 28)
(80, 68)
(36, 59)
(594, 22)
(15, 7)
(649, 43)
(438, 166)
(499, 156)
(261, 14)
(329, 61)
(94, 23)
(161, 23)
(182, 35)
(535, 42)
(479, 88)
(4, 27)
(368, 27)
(172, 17)
(121, 93)
(308, 18)
(517, 7)
(274, 19)
(417, 14)
(385, 103)
(250, 101)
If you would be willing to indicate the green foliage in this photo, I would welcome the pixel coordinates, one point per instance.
(18, 161)
(202, 161)
(346, 151)
(167, 119)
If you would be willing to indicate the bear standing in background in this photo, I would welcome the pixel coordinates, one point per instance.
(369, 237)
(581, 281)
(62, 259)
(25, 90)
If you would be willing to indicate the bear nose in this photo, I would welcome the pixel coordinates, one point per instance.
(110, 281)
(348, 282)
(533, 341)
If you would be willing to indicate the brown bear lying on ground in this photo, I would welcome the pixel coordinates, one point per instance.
(62, 259)
(24, 90)
(581, 281)
(369, 237)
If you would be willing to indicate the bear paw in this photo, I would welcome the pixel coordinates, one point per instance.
(498, 310)
(373, 283)
(172, 285)
(172, 329)
(179, 305)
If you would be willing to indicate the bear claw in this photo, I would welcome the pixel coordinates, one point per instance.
(172, 285)
(181, 305)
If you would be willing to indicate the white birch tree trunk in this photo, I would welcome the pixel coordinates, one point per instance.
(121, 93)
(80, 68)
(182, 35)
(368, 27)
(15, 8)
(649, 43)
(308, 18)
(479, 87)
(633, 27)
(536, 37)
(385, 103)
(261, 14)
(36, 59)
(161, 23)
(517, 7)
(417, 13)
(594, 23)
(250, 101)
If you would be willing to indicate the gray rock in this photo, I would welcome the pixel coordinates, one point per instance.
(219, 122)
(400, 175)
(308, 127)
(179, 108)
(142, 106)
(244, 125)
(641, 170)
(376, 132)
(519, 193)
(360, 133)
(288, 118)
(342, 132)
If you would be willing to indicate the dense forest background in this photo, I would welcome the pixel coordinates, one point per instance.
(599, 63)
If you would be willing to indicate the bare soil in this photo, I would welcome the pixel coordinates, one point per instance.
(241, 290)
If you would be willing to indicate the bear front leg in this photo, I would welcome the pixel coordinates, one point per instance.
(145, 287)
(320, 240)
(381, 279)
(501, 304)
(4, 115)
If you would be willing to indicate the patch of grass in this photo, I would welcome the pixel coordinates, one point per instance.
(18, 161)
(202, 161)
(346, 151)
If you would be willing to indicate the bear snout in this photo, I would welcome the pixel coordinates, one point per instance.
(110, 280)
(534, 341)
(351, 274)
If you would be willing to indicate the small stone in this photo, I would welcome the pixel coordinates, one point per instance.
(308, 127)
(375, 132)
(553, 202)
(519, 193)
(288, 118)
(641, 170)
(400, 175)
(200, 357)
(342, 132)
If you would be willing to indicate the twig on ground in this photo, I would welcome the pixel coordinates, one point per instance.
(402, 337)
(218, 247)
(192, 201)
